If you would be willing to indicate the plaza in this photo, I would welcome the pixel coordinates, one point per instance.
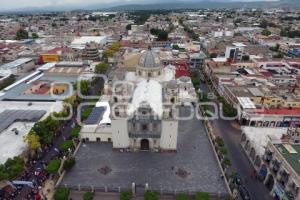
(192, 168)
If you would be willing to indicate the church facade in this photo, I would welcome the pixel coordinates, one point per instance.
(139, 108)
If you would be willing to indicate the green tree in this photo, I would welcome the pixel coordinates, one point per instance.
(182, 196)
(162, 35)
(45, 129)
(266, 32)
(66, 145)
(75, 131)
(219, 141)
(84, 86)
(149, 195)
(53, 166)
(22, 34)
(86, 112)
(12, 168)
(34, 36)
(128, 27)
(108, 53)
(61, 193)
(202, 196)
(69, 164)
(175, 47)
(226, 162)
(88, 196)
(101, 68)
(125, 195)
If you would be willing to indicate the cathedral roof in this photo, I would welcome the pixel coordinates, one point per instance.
(147, 92)
(149, 59)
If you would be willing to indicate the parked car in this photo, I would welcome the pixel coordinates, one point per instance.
(244, 193)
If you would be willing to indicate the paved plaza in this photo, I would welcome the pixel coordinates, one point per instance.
(194, 158)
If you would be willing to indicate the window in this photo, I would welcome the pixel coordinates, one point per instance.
(144, 127)
(98, 139)
(109, 139)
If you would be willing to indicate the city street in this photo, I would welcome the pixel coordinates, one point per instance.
(231, 136)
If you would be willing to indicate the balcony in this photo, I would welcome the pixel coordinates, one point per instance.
(148, 134)
(276, 166)
(268, 157)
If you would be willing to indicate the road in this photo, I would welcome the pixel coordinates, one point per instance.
(240, 162)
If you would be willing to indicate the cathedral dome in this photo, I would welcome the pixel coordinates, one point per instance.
(149, 59)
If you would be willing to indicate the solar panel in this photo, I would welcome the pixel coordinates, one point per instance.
(96, 115)
(7, 117)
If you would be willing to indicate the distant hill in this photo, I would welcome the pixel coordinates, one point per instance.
(166, 5)
(209, 4)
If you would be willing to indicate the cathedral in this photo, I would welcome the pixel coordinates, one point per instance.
(138, 111)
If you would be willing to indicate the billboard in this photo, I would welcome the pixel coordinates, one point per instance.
(45, 58)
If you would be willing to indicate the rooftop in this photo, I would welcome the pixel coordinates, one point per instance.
(292, 157)
(15, 63)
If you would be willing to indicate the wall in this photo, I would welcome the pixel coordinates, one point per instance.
(168, 140)
(120, 136)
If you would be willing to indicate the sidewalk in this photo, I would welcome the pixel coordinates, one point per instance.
(48, 189)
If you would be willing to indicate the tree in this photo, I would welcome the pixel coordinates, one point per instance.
(226, 162)
(22, 34)
(101, 68)
(115, 46)
(202, 196)
(128, 27)
(278, 55)
(266, 32)
(33, 140)
(12, 168)
(84, 87)
(219, 141)
(61, 193)
(182, 196)
(53, 166)
(125, 195)
(75, 131)
(66, 145)
(149, 195)
(175, 47)
(45, 129)
(108, 53)
(69, 163)
(162, 35)
(34, 36)
(88, 196)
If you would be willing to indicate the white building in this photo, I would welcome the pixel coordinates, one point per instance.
(141, 108)
(80, 42)
(18, 66)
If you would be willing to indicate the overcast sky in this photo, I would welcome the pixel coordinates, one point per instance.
(11, 4)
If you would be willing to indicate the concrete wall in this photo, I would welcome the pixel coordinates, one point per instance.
(120, 136)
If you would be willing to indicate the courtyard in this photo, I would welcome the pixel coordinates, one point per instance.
(193, 168)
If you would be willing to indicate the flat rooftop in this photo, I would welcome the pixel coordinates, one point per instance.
(18, 93)
(194, 156)
(292, 157)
